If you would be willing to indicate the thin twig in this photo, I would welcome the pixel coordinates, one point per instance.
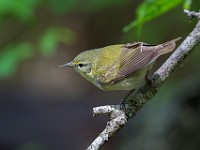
(119, 115)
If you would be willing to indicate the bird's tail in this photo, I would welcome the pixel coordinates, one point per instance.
(168, 46)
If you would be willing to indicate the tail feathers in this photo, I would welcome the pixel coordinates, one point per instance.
(168, 46)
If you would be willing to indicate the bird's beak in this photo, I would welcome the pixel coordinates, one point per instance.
(68, 64)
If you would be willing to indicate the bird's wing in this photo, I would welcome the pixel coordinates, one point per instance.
(135, 57)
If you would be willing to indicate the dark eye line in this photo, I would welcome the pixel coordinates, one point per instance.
(81, 65)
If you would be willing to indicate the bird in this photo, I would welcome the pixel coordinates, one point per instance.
(120, 66)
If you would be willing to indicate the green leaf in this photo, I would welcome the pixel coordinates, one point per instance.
(11, 57)
(151, 9)
(187, 4)
(52, 37)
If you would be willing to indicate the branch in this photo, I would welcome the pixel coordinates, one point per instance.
(120, 114)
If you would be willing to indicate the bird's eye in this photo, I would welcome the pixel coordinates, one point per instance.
(83, 67)
(80, 65)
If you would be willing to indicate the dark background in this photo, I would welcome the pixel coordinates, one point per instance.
(44, 107)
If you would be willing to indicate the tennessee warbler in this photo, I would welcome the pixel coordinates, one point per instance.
(121, 66)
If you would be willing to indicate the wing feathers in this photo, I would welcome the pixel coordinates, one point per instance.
(134, 63)
(135, 56)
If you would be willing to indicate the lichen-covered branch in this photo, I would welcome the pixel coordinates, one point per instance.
(118, 120)
(120, 114)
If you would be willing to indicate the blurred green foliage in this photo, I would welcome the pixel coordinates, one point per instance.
(102, 4)
(62, 6)
(25, 13)
(52, 36)
(151, 9)
(11, 56)
(22, 9)
(187, 4)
